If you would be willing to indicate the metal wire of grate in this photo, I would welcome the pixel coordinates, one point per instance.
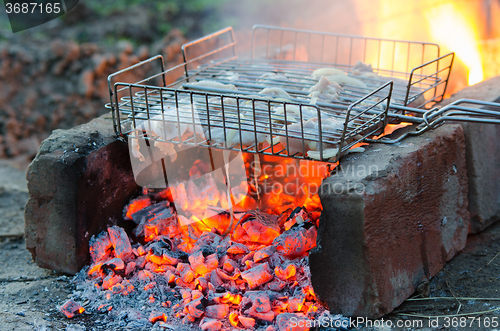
(420, 73)
(265, 105)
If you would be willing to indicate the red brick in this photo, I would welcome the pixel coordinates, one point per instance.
(392, 217)
(483, 158)
(78, 184)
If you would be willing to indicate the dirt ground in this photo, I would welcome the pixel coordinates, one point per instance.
(471, 284)
(29, 295)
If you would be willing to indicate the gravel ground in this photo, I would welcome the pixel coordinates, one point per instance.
(29, 295)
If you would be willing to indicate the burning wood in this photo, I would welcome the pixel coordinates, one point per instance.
(258, 275)
(71, 308)
(297, 241)
(247, 322)
(255, 228)
(120, 242)
(217, 311)
(209, 324)
(263, 253)
(284, 274)
(156, 316)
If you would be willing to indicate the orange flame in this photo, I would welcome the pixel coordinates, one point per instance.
(464, 27)
(452, 26)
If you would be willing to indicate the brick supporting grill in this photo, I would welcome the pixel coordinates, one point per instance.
(78, 184)
(482, 148)
(392, 217)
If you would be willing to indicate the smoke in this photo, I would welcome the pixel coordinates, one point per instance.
(413, 20)
(321, 15)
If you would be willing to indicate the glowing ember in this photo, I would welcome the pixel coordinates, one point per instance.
(235, 268)
(136, 205)
(71, 308)
(157, 316)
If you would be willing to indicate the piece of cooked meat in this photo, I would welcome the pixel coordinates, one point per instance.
(346, 80)
(214, 84)
(275, 92)
(273, 76)
(325, 90)
(329, 71)
(310, 128)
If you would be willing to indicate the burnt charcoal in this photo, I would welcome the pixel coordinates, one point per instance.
(101, 245)
(115, 264)
(155, 249)
(155, 194)
(135, 325)
(296, 242)
(107, 269)
(120, 242)
(165, 243)
(284, 217)
(122, 315)
(255, 222)
(139, 230)
(206, 251)
(70, 309)
(221, 251)
(160, 247)
(159, 210)
(179, 270)
(246, 306)
(295, 212)
(181, 256)
(307, 220)
(306, 225)
(267, 219)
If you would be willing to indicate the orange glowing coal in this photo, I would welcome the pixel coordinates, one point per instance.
(197, 260)
(71, 309)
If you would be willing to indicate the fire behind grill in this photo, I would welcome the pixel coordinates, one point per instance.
(177, 111)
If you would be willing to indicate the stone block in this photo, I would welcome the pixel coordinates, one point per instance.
(78, 184)
(392, 216)
(482, 149)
